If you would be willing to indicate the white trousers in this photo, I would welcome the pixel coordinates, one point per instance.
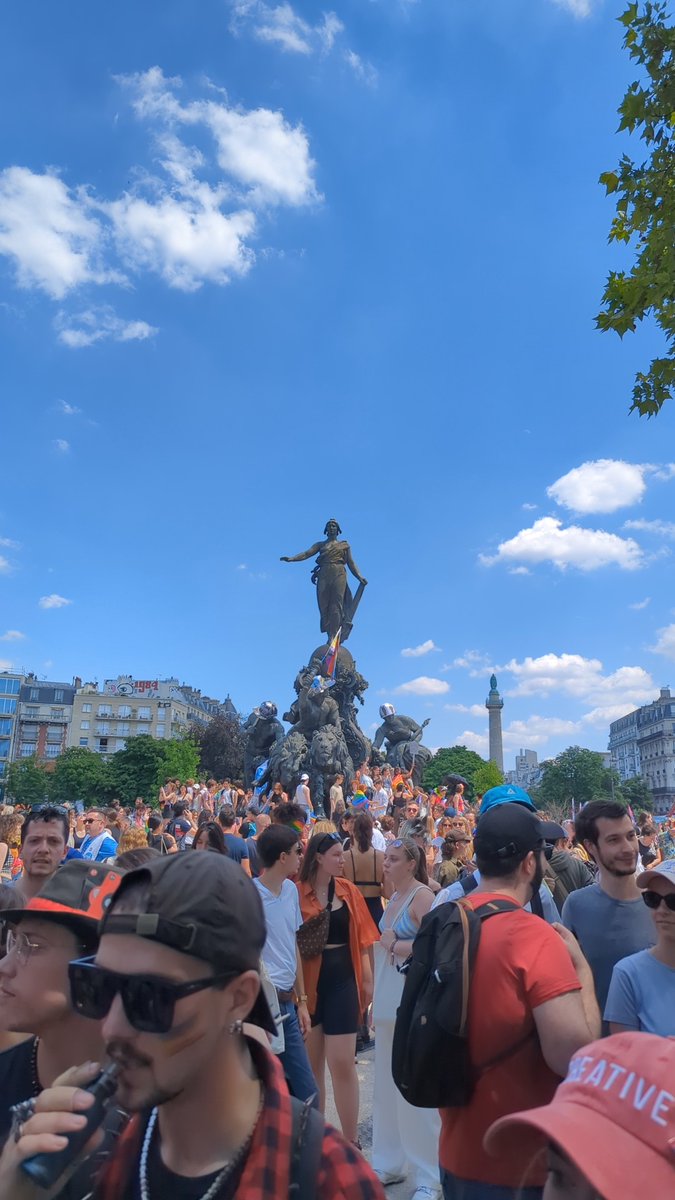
(405, 1139)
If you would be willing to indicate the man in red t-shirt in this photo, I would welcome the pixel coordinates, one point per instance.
(532, 1005)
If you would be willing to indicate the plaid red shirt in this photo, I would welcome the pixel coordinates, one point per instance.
(343, 1172)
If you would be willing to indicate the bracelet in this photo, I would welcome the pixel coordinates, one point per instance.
(300, 999)
(393, 948)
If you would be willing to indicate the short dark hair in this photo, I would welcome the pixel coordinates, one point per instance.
(179, 809)
(288, 813)
(586, 823)
(129, 860)
(501, 868)
(154, 821)
(227, 817)
(46, 812)
(275, 841)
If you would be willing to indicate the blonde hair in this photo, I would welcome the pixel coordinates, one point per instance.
(323, 827)
(132, 839)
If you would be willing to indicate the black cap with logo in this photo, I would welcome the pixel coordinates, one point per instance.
(508, 832)
(202, 904)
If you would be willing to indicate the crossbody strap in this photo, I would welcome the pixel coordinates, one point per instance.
(307, 1142)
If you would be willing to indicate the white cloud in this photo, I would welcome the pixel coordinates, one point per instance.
(49, 233)
(61, 445)
(69, 410)
(190, 223)
(529, 507)
(581, 678)
(520, 571)
(578, 8)
(421, 650)
(12, 635)
(473, 710)
(473, 661)
(640, 604)
(665, 643)
(362, 69)
(5, 565)
(606, 713)
(53, 601)
(97, 325)
(573, 546)
(423, 685)
(602, 486)
(281, 25)
(473, 741)
(6, 664)
(537, 730)
(662, 528)
(9, 543)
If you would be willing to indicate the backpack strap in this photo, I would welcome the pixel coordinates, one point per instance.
(307, 1142)
(485, 911)
(468, 883)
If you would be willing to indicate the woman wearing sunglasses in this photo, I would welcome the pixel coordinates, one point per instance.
(339, 981)
(642, 991)
(404, 1138)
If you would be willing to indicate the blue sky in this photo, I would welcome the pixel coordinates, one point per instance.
(265, 264)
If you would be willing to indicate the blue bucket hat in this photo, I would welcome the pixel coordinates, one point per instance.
(506, 793)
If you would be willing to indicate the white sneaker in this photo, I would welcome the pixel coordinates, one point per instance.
(426, 1193)
(388, 1177)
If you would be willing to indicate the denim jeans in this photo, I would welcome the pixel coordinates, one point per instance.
(294, 1059)
(470, 1189)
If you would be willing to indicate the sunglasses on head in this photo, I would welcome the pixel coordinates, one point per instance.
(149, 1001)
(36, 809)
(654, 899)
(328, 840)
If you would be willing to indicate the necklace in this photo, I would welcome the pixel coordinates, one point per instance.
(222, 1175)
(34, 1077)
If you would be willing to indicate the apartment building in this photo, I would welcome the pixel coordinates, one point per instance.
(44, 715)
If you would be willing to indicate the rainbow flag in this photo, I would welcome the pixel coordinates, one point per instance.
(359, 800)
(329, 660)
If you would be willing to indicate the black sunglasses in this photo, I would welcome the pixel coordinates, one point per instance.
(49, 808)
(149, 1001)
(653, 900)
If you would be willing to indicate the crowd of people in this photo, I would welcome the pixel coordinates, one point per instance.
(229, 949)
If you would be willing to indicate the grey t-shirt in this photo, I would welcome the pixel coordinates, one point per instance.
(607, 931)
(642, 995)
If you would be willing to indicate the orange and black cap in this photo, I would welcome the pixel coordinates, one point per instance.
(77, 896)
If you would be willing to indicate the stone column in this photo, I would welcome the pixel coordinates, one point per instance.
(494, 705)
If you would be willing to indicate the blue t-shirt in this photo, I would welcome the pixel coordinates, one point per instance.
(642, 995)
(607, 930)
(107, 849)
(455, 892)
(236, 847)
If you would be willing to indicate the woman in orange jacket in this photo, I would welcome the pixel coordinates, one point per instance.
(339, 981)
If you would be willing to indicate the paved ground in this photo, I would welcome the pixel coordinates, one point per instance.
(365, 1071)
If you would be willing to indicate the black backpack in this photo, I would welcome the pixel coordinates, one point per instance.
(430, 1055)
(469, 883)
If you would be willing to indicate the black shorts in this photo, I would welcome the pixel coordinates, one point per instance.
(337, 1000)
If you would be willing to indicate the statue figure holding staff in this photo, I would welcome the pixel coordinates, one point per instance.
(337, 606)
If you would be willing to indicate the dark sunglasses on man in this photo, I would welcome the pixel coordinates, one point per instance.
(149, 1001)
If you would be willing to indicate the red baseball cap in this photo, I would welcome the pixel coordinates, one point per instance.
(613, 1116)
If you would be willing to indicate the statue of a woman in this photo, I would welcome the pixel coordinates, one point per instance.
(336, 603)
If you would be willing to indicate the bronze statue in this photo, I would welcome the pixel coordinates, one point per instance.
(337, 606)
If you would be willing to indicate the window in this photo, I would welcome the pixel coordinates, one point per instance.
(5, 727)
(34, 694)
(86, 708)
(144, 714)
(29, 733)
(160, 731)
(52, 751)
(124, 710)
(7, 706)
(58, 695)
(104, 710)
(120, 744)
(32, 712)
(9, 687)
(84, 724)
(142, 731)
(103, 744)
(54, 733)
(4, 747)
(84, 741)
(123, 728)
(103, 727)
(57, 714)
(27, 748)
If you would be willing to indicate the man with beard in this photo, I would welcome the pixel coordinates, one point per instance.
(608, 918)
(44, 835)
(174, 978)
(531, 1006)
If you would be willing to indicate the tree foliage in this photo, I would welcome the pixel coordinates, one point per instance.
(636, 793)
(453, 760)
(135, 770)
(645, 202)
(485, 777)
(181, 761)
(221, 747)
(80, 774)
(576, 774)
(27, 782)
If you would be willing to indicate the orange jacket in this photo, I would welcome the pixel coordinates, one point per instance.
(362, 933)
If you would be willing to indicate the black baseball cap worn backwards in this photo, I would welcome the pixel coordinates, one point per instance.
(507, 833)
(202, 904)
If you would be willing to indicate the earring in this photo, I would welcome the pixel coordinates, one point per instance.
(236, 1026)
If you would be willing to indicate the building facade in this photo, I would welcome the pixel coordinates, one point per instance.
(528, 772)
(10, 688)
(43, 720)
(643, 743)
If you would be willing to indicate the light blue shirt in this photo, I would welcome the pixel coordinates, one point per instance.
(642, 995)
(456, 891)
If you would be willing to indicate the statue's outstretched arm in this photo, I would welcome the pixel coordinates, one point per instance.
(379, 738)
(305, 555)
(354, 569)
